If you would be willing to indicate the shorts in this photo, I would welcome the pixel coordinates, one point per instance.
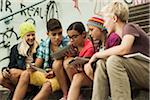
(38, 79)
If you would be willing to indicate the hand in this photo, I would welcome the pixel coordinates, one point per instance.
(72, 51)
(6, 73)
(29, 68)
(29, 59)
(79, 67)
(68, 53)
(78, 60)
(50, 74)
(89, 71)
(77, 64)
(93, 58)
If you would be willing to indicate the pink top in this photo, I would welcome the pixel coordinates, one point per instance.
(112, 40)
(88, 49)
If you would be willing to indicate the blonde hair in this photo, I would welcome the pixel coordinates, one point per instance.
(117, 8)
(25, 50)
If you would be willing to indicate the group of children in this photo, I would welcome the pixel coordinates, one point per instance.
(110, 39)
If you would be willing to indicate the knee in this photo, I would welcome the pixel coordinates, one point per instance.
(47, 87)
(66, 67)
(66, 64)
(100, 72)
(15, 71)
(113, 63)
(113, 60)
(101, 65)
(77, 79)
(25, 76)
(57, 65)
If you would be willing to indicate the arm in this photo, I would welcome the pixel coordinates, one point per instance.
(12, 57)
(122, 49)
(40, 54)
(12, 62)
(38, 62)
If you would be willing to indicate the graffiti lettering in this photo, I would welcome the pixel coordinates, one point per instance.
(52, 10)
(7, 36)
(22, 12)
(32, 11)
(26, 8)
(8, 3)
(5, 5)
(1, 5)
(38, 12)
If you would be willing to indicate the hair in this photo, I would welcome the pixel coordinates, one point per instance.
(23, 48)
(53, 24)
(78, 26)
(118, 8)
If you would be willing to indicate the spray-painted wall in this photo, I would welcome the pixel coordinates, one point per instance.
(14, 12)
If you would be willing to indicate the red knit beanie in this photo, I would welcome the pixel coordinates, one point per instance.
(95, 21)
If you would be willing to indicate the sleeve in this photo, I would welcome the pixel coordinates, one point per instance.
(65, 41)
(89, 52)
(114, 42)
(130, 29)
(40, 50)
(12, 57)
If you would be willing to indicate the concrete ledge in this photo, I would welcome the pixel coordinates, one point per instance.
(4, 93)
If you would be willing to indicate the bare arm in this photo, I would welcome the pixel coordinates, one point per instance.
(122, 49)
(38, 62)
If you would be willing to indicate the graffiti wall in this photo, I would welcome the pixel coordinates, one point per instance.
(14, 12)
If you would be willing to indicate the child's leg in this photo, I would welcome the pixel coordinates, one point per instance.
(22, 86)
(79, 80)
(15, 75)
(44, 93)
(6, 83)
(11, 82)
(89, 71)
(70, 70)
(61, 76)
(49, 86)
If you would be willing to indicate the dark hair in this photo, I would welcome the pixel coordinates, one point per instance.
(53, 24)
(78, 26)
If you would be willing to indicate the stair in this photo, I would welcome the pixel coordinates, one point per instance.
(140, 15)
